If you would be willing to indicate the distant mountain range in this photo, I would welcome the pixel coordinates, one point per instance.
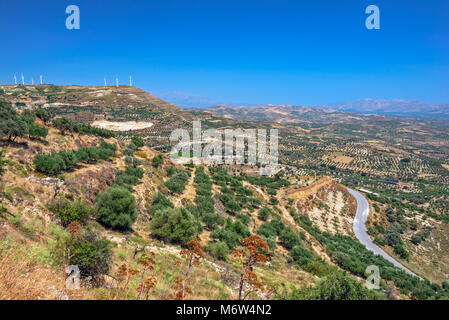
(333, 112)
(394, 107)
(284, 114)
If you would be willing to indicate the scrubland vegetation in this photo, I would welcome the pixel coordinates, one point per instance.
(157, 230)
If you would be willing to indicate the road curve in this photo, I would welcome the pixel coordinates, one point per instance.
(362, 234)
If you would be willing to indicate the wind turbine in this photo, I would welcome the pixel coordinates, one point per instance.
(105, 82)
(15, 79)
(116, 80)
(41, 78)
(130, 81)
(32, 81)
(23, 80)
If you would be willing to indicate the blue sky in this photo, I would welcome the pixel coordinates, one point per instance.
(235, 51)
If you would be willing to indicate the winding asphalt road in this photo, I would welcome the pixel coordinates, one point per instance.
(362, 234)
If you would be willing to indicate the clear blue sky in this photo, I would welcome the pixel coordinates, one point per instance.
(237, 51)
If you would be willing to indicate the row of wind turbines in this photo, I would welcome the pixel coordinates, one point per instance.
(40, 77)
(23, 79)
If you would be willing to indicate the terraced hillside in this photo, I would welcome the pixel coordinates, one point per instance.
(66, 187)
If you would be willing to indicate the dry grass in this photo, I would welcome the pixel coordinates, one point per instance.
(22, 277)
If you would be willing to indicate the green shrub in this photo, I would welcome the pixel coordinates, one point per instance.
(243, 218)
(231, 233)
(301, 255)
(11, 124)
(137, 141)
(132, 161)
(44, 114)
(71, 211)
(174, 225)
(92, 254)
(274, 201)
(212, 220)
(340, 286)
(289, 239)
(229, 203)
(218, 250)
(123, 179)
(49, 163)
(116, 208)
(420, 236)
(160, 202)
(63, 124)
(177, 182)
(157, 161)
(57, 162)
(129, 149)
(264, 213)
(36, 131)
(400, 251)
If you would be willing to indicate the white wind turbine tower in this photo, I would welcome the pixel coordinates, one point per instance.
(15, 79)
(116, 81)
(41, 78)
(23, 80)
(105, 82)
(32, 81)
(130, 81)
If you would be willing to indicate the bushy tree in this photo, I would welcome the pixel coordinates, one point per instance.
(116, 208)
(37, 131)
(44, 114)
(132, 161)
(218, 250)
(301, 255)
(129, 149)
(160, 202)
(137, 141)
(13, 128)
(177, 182)
(49, 163)
(63, 124)
(264, 214)
(231, 233)
(289, 239)
(157, 161)
(174, 225)
(71, 211)
(11, 125)
(253, 252)
(92, 254)
(212, 220)
(339, 286)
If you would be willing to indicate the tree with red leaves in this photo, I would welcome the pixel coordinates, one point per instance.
(126, 273)
(147, 262)
(194, 254)
(254, 251)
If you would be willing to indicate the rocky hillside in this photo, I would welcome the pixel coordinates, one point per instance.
(132, 221)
